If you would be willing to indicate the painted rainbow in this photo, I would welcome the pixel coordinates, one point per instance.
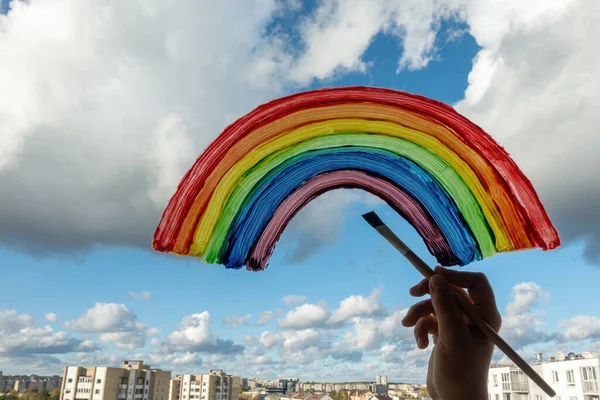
(453, 183)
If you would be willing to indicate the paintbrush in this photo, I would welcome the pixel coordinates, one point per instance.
(373, 219)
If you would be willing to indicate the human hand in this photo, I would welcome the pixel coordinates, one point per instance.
(461, 356)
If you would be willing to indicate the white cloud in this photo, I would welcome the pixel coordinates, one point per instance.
(37, 340)
(366, 335)
(129, 340)
(302, 339)
(235, 321)
(143, 295)
(535, 67)
(172, 152)
(11, 321)
(87, 345)
(304, 316)
(51, 317)
(521, 324)
(116, 115)
(179, 360)
(391, 325)
(20, 336)
(525, 295)
(115, 323)
(264, 317)
(357, 306)
(338, 33)
(293, 299)
(194, 336)
(269, 339)
(581, 327)
(104, 317)
(391, 353)
(374, 332)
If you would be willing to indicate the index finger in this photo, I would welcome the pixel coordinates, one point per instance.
(480, 292)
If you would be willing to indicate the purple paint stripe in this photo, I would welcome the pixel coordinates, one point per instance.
(398, 199)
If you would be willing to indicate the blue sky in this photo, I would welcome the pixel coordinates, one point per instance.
(61, 266)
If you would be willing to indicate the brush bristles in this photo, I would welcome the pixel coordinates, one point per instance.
(373, 219)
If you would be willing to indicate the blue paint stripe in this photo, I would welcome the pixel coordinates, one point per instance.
(280, 183)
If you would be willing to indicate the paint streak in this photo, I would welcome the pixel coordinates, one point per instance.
(398, 199)
(439, 170)
(496, 202)
(404, 174)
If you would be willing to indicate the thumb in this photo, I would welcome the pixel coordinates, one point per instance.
(450, 321)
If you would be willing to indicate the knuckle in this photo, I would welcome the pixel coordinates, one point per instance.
(480, 276)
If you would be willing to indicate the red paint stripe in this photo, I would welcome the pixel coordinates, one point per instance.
(517, 184)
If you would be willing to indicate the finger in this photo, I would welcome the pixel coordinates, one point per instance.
(425, 326)
(480, 292)
(450, 321)
(420, 289)
(417, 311)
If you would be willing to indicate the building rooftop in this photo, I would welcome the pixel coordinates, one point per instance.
(559, 357)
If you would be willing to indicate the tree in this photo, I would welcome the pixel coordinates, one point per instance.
(55, 394)
(339, 395)
(41, 395)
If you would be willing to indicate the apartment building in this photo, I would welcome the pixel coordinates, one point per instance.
(306, 396)
(289, 384)
(381, 380)
(328, 387)
(133, 381)
(30, 382)
(216, 385)
(573, 377)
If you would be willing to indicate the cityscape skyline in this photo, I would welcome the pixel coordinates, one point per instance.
(572, 376)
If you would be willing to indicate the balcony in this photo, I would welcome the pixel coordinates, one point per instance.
(590, 387)
(520, 386)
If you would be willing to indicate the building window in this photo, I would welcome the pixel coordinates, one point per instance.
(539, 397)
(98, 380)
(147, 381)
(572, 397)
(506, 381)
(97, 391)
(588, 373)
(497, 397)
(590, 382)
(70, 380)
(554, 376)
(570, 378)
(495, 379)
